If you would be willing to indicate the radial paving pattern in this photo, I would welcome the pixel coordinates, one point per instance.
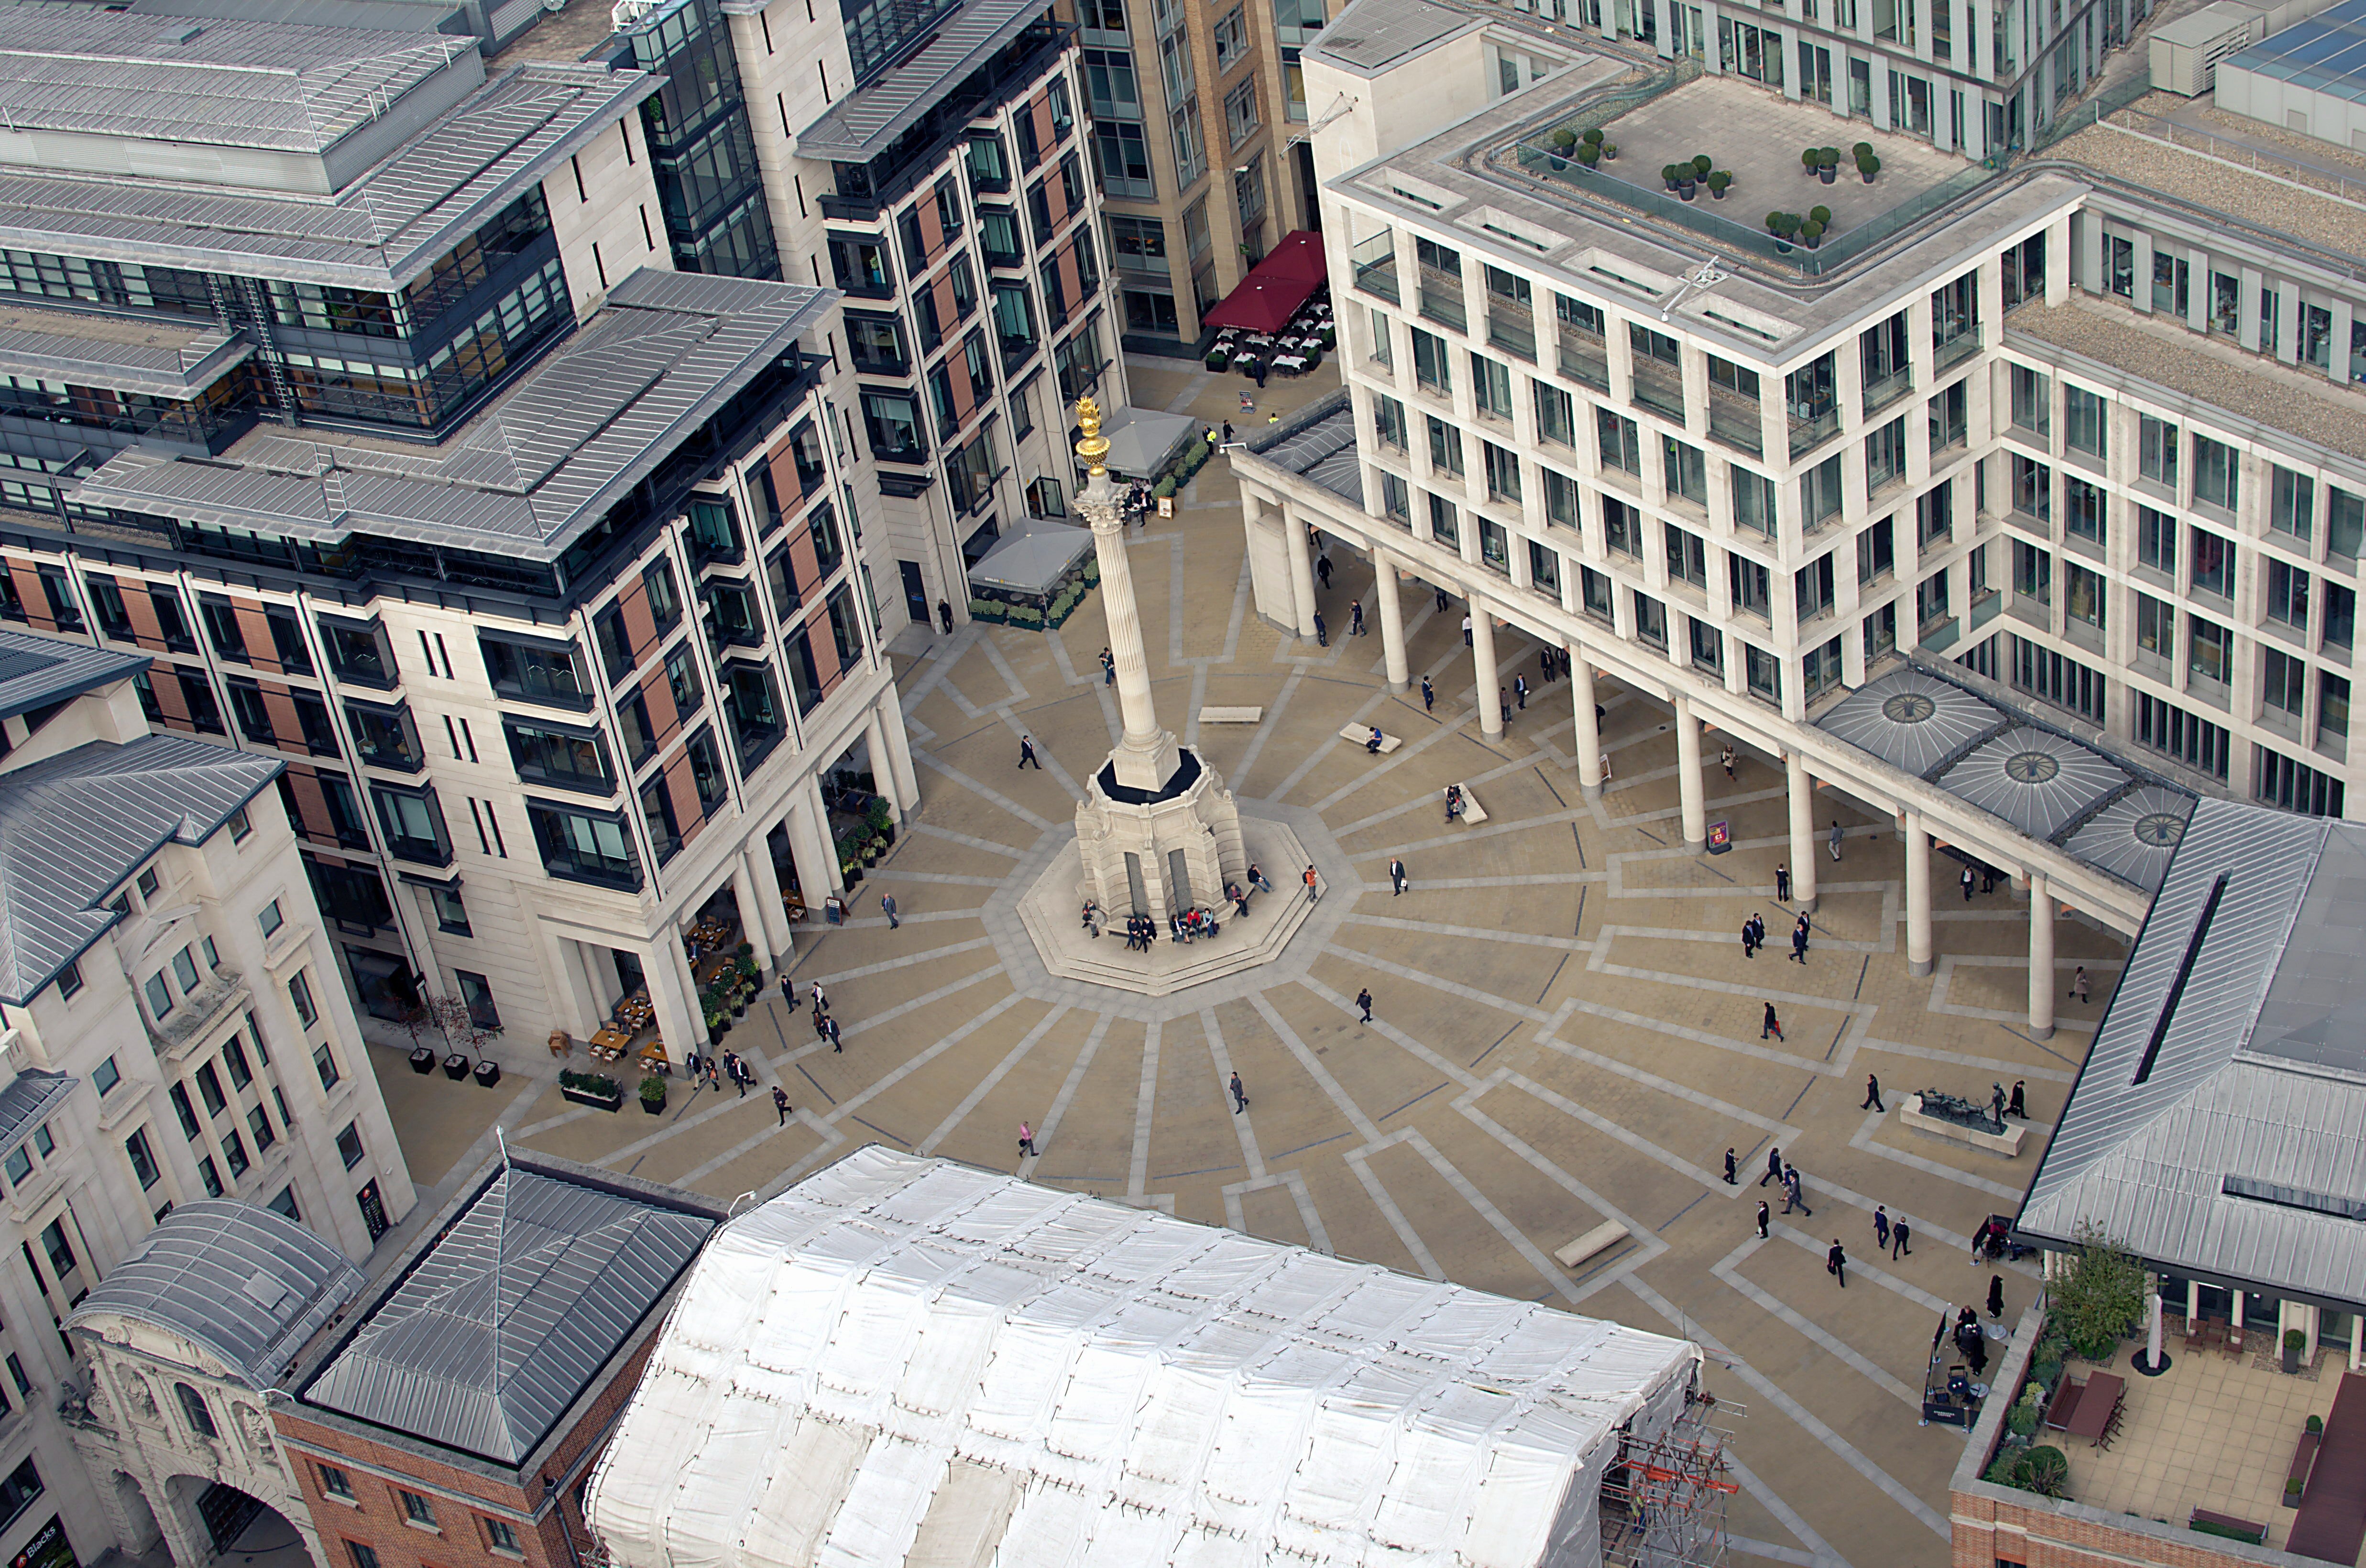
(1562, 1028)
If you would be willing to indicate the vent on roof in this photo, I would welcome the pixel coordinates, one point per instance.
(2177, 986)
(2293, 1197)
(179, 33)
(265, 1291)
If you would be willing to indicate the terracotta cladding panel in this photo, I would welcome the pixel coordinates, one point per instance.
(140, 610)
(257, 632)
(1040, 110)
(32, 596)
(948, 308)
(807, 562)
(932, 228)
(1072, 282)
(280, 703)
(170, 701)
(825, 650)
(683, 789)
(640, 624)
(311, 803)
(665, 719)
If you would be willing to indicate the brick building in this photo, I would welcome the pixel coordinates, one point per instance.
(444, 1414)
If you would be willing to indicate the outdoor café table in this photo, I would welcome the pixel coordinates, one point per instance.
(2096, 1404)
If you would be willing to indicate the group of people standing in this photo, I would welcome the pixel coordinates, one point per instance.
(1753, 936)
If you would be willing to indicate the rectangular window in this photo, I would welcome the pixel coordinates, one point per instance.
(1556, 415)
(1812, 585)
(2083, 594)
(210, 1090)
(1885, 456)
(501, 1538)
(416, 1508)
(1503, 472)
(335, 1483)
(2033, 402)
(1819, 492)
(2287, 596)
(2217, 471)
(2156, 540)
(1749, 583)
(183, 1112)
(2066, 683)
(548, 673)
(143, 1163)
(1651, 621)
(349, 1145)
(1687, 557)
(1685, 470)
(2294, 787)
(2291, 503)
(325, 1064)
(2345, 516)
(2340, 617)
(234, 1062)
(259, 1121)
(207, 1177)
(233, 1150)
(2210, 650)
(2157, 629)
(1620, 447)
(1444, 447)
(2332, 708)
(1876, 551)
(1433, 369)
(2283, 681)
(2082, 420)
(2156, 444)
(1753, 501)
(2082, 510)
(300, 993)
(2213, 562)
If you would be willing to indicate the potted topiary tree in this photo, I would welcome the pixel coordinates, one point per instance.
(1562, 141)
(1822, 215)
(1868, 165)
(1827, 160)
(2295, 1342)
(1668, 175)
(1812, 232)
(1719, 179)
(1593, 136)
(1701, 166)
(1785, 228)
(1809, 160)
(653, 1094)
(1588, 152)
(1685, 182)
(1610, 151)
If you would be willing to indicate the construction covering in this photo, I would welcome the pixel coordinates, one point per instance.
(908, 1361)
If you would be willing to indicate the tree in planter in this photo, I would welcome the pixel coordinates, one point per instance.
(2045, 1471)
(1812, 233)
(1718, 181)
(1668, 175)
(2096, 1301)
(1822, 215)
(653, 1091)
(1868, 165)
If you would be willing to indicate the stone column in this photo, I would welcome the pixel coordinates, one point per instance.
(810, 847)
(777, 935)
(1917, 896)
(752, 912)
(1302, 572)
(1483, 670)
(1589, 730)
(579, 1010)
(673, 995)
(1801, 790)
(2041, 956)
(891, 756)
(1392, 609)
(1690, 790)
(1147, 757)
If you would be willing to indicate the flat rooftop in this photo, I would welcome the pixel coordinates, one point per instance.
(530, 472)
(126, 354)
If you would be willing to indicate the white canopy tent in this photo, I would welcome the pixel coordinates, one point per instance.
(908, 1361)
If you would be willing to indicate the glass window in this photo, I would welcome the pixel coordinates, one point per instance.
(2213, 562)
(2287, 595)
(2082, 420)
(2216, 473)
(551, 674)
(2291, 503)
(1876, 551)
(300, 993)
(583, 845)
(259, 1123)
(1620, 447)
(210, 1090)
(335, 1482)
(349, 1145)
(416, 1508)
(2156, 444)
(567, 758)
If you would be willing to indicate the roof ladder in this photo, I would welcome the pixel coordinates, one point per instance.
(258, 322)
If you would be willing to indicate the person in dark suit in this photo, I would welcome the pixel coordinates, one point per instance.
(1729, 1179)
(1773, 1167)
(1872, 1094)
(1836, 1264)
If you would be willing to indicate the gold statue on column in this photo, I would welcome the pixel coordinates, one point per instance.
(1094, 447)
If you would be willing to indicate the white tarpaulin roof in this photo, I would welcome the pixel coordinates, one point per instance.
(908, 1361)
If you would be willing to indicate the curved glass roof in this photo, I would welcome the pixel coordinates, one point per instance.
(1914, 721)
(2134, 836)
(2039, 781)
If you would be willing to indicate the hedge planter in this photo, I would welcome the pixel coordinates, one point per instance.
(653, 1095)
(422, 1060)
(592, 1089)
(489, 1073)
(456, 1067)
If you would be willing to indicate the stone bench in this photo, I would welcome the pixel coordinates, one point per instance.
(1231, 715)
(1361, 735)
(1472, 812)
(2006, 1143)
(1601, 1238)
(2226, 1525)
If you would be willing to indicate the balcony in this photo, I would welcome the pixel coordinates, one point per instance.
(1949, 352)
(223, 995)
(1584, 357)
(1441, 299)
(1375, 263)
(1660, 387)
(1512, 327)
(1882, 391)
(1810, 425)
(1733, 419)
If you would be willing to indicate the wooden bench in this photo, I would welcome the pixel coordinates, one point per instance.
(1361, 735)
(2239, 1529)
(1601, 1238)
(1231, 715)
(1472, 812)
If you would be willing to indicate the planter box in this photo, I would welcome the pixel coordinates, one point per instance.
(2304, 1457)
(422, 1060)
(489, 1073)
(654, 1107)
(456, 1067)
(588, 1097)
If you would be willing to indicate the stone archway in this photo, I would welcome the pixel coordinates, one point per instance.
(136, 1522)
(219, 1524)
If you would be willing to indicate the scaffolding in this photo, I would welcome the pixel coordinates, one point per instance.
(1663, 1500)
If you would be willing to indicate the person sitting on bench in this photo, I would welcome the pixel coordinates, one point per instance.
(1453, 801)
(1373, 745)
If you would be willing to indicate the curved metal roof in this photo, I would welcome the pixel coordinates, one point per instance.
(1913, 722)
(2134, 836)
(2038, 782)
(245, 1283)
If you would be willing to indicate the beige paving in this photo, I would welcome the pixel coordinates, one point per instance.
(1566, 1030)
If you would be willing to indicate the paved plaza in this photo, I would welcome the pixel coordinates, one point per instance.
(1564, 1030)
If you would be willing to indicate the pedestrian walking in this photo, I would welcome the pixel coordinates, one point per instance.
(1799, 941)
(1441, 601)
(1240, 1095)
(1322, 632)
(1727, 759)
(1520, 692)
(1314, 891)
(1257, 878)
(713, 1074)
(1872, 1094)
(1782, 884)
(1757, 930)
(781, 1104)
(1729, 1179)
(2014, 1105)
(1364, 1000)
(1026, 1140)
(1396, 875)
(1504, 701)
(739, 1071)
(2078, 984)
(887, 908)
(1794, 1191)
(819, 1001)
(1987, 878)
(1835, 840)
(1748, 940)
(1773, 1167)
(1965, 881)
(1898, 1232)
(837, 1035)
(1996, 1297)
(1108, 668)
(1323, 569)
(1761, 1219)
(689, 1069)
(1836, 1264)
(1880, 1229)
(1027, 754)
(1356, 617)
(1466, 630)
(1428, 696)
(1228, 432)
(1771, 1024)
(945, 614)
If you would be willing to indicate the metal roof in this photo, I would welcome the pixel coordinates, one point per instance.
(75, 825)
(159, 358)
(1916, 722)
(541, 463)
(1381, 32)
(27, 1101)
(861, 124)
(38, 671)
(2035, 780)
(1323, 452)
(282, 87)
(2231, 1048)
(2325, 53)
(2133, 837)
(500, 1325)
(245, 1283)
(381, 232)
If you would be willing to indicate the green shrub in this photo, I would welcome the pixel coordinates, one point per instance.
(1593, 136)
(2313, 1424)
(2023, 1419)
(1164, 489)
(1561, 141)
(1810, 157)
(1092, 572)
(2227, 1533)
(590, 1084)
(1822, 215)
(1026, 615)
(1861, 151)
(1589, 153)
(2295, 1339)
(2044, 1470)
(1702, 165)
(653, 1090)
(1719, 179)
(2097, 1298)
(1217, 359)
(2292, 1484)
(1811, 230)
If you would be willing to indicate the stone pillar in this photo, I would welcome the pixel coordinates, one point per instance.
(579, 1010)
(1147, 757)
(673, 994)
(1483, 671)
(1392, 609)
(1917, 896)
(809, 847)
(752, 912)
(1302, 572)
(891, 755)
(777, 935)
(1801, 791)
(2041, 956)
(1589, 730)
(1690, 790)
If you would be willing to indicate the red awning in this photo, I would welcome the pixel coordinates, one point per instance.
(1274, 288)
